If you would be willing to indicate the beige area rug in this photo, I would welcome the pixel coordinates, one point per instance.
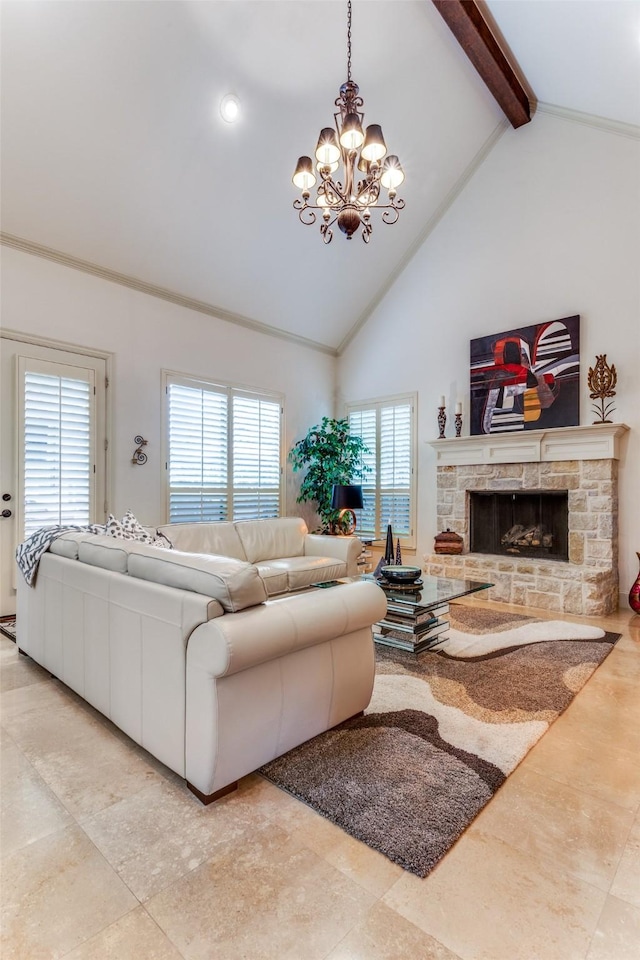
(443, 731)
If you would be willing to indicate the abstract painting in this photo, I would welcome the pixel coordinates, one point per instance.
(526, 379)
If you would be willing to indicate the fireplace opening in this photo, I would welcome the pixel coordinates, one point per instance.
(534, 523)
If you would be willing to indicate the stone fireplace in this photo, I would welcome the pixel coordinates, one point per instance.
(580, 463)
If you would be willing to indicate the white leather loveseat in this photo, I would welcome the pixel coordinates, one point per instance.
(187, 656)
(286, 555)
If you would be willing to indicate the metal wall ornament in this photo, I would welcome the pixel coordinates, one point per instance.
(138, 456)
(348, 201)
(601, 380)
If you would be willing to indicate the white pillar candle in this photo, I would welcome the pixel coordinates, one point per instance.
(442, 400)
(458, 407)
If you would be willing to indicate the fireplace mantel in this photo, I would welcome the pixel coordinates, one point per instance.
(598, 441)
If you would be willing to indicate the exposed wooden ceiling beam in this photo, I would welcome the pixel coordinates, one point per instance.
(466, 21)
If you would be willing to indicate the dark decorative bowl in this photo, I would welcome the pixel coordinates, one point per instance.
(400, 574)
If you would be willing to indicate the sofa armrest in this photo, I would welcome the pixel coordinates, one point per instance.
(347, 549)
(242, 640)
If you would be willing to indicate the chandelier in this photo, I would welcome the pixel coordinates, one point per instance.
(349, 200)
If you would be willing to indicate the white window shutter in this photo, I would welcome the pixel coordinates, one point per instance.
(58, 470)
(198, 462)
(387, 428)
(224, 455)
(395, 468)
(256, 458)
(363, 423)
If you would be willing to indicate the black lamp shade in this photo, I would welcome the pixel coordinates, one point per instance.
(347, 496)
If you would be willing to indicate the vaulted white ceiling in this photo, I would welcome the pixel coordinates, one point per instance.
(114, 152)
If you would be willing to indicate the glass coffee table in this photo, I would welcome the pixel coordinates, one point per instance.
(416, 617)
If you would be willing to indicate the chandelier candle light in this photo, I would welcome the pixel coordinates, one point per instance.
(349, 201)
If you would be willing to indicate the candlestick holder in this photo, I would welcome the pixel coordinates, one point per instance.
(442, 420)
(458, 424)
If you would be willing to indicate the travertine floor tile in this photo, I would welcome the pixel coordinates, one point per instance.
(162, 832)
(18, 672)
(276, 805)
(616, 692)
(35, 696)
(263, 897)
(79, 758)
(618, 933)
(8, 649)
(279, 882)
(134, 937)
(309, 828)
(383, 935)
(626, 883)
(489, 901)
(28, 808)
(608, 714)
(613, 775)
(569, 830)
(367, 867)
(622, 664)
(56, 893)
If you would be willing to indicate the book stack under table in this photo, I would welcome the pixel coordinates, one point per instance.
(416, 617)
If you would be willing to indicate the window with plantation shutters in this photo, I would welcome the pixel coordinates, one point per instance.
(387, 427)
(224, 458)
(57, 468)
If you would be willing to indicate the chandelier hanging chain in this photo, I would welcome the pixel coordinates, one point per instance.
(349, 41)
(341, 197)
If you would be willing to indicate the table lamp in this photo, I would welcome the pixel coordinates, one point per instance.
(347, 497)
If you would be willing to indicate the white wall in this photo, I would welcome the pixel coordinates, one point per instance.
(548, 227)
(146, 335)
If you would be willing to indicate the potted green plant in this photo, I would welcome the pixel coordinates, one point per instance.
(330, 454)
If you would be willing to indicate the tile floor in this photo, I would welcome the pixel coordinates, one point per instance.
(107, 856)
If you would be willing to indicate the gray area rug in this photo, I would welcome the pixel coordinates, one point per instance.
(443, 731)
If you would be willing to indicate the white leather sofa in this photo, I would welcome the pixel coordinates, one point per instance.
(187, 656)
(286, 555)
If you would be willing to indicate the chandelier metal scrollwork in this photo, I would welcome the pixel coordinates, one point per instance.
(349, 201)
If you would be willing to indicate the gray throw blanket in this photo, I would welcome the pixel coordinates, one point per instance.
(30, 550)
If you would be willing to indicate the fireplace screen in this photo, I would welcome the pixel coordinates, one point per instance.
(534, 523)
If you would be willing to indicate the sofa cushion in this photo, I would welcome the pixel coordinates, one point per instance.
(219, 539)
(235, 584)
(274, 578)
(272, 539)
(65, 546)
(301, 572)
(110, 553)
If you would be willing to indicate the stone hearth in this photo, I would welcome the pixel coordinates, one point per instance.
(581, 460)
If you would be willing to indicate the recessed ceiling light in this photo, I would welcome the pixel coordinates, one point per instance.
(230, 108)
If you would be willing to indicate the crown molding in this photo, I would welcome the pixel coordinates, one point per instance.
(162, 293)
(618, 127)
(428, 228)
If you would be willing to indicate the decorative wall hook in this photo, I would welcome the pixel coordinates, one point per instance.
(601, 380)
(138, 456)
